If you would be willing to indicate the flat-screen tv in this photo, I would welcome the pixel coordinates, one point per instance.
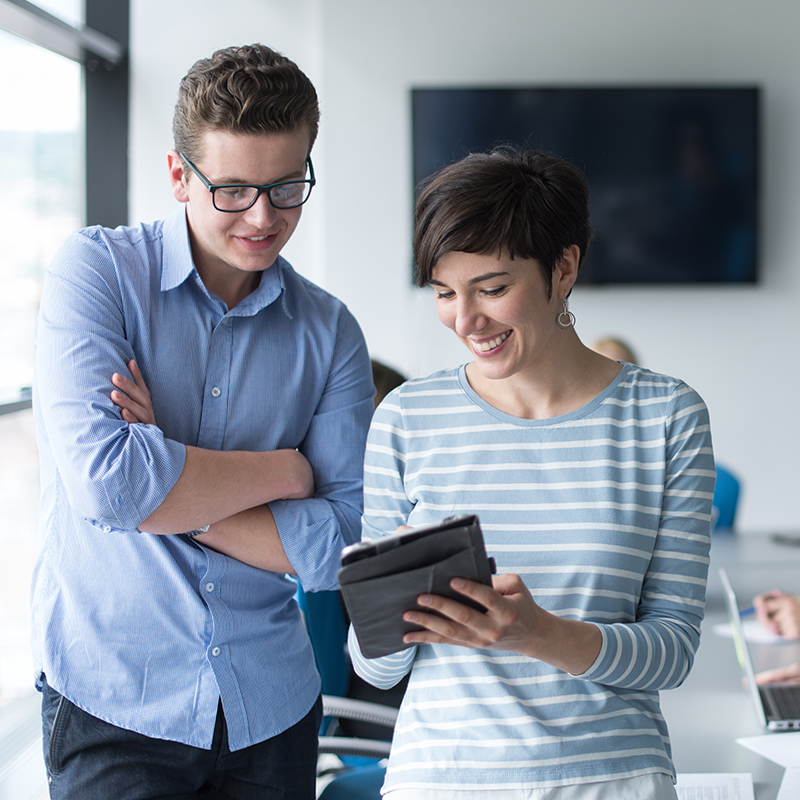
(673, 171)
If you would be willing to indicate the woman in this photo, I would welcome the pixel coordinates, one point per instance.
(593, 481)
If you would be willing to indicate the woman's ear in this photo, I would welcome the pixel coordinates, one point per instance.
(177, 177)
(566, 271)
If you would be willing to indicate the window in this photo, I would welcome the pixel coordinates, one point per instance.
(63, 111)
(41, 190)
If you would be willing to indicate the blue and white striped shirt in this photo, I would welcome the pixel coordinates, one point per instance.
(144, 631)
(605, 513)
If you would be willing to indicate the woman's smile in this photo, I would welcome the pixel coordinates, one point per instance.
(488, 347)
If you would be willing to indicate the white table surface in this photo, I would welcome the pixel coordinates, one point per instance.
(711, 709)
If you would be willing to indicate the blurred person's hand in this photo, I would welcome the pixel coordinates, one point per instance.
(779, 612)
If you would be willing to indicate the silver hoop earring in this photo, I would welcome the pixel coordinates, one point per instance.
(566, 319)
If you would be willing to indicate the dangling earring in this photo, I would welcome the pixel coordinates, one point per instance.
(566, 319)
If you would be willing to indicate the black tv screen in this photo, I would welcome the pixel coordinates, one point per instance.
(673, 172)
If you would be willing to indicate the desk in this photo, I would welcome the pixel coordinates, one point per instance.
(711, 710)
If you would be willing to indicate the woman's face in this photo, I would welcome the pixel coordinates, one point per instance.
(499, 308)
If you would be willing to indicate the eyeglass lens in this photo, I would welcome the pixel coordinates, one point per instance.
(284, 195)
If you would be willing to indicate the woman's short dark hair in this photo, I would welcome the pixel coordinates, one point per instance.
(525, 203)
(250, 89)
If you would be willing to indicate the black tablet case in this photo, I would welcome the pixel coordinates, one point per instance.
(392, 572)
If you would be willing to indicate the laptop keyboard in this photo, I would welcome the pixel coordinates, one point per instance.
(784, 701)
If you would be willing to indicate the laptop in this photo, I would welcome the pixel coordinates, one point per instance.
(777, 704)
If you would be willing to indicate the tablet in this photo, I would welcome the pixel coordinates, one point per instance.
(380, 580)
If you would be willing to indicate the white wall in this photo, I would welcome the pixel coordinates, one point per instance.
(737, 346)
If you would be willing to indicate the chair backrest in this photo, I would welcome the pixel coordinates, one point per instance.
(360, 784)
(327, 628)
(726, 498)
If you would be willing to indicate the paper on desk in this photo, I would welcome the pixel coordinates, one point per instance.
(715, 786)
(790, 785)
(782, 748)
(754, 632)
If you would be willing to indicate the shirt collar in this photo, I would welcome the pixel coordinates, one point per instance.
(177, 259)
(178, 265)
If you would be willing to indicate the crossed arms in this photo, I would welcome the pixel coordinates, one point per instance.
(227, 490)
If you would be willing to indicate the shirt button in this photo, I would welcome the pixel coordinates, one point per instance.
(215, 392)
(209, 587)
(215, 651)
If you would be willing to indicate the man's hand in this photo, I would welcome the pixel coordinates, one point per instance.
(301, 468)
(133, 397)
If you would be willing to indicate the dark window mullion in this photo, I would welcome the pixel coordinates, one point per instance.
(107, 98)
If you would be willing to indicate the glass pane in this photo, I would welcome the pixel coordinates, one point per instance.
(41, 192)
(41, 201)
(70, 11)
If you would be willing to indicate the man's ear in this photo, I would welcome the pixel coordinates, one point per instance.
(177, 176)
(566, 271)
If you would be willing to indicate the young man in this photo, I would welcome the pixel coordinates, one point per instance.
(167, 642)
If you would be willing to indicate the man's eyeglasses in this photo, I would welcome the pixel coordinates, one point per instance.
(233, 197)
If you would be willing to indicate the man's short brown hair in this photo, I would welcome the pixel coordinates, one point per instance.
(526, 204)
(250, 89)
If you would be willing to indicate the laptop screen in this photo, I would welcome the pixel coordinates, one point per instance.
(740, 642)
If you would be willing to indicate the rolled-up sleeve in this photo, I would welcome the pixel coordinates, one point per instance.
(314, 532)
(115, 474)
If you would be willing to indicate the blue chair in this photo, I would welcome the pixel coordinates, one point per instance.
(357, 784)
(326, 625)
(726, 499)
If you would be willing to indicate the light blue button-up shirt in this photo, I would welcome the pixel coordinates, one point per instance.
(148, 632)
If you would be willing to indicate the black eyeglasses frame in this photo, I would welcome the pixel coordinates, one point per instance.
(262, 189)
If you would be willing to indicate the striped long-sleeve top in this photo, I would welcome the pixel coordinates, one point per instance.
(605, 513)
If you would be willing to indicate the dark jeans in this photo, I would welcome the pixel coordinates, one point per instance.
(88, 759)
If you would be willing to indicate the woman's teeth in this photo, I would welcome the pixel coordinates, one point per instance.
(484, 347)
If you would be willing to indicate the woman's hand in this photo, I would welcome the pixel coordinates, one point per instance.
(508, 624)
(513, 621)
(779, 612)
(133, 397)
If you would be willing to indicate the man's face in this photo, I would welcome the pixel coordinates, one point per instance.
(232, 248)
